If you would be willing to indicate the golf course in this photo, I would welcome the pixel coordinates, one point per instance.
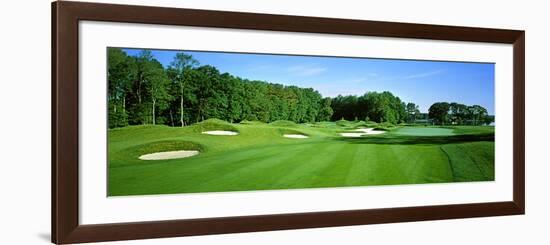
(197, 122)
(259, 156)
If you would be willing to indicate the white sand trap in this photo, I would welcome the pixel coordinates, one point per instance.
(168, 155)
(220, 132)
(375, 132)
(352, 134)
(362, 132)
(296, 136)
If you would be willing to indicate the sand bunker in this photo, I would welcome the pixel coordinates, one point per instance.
(361, 132)
(352, 134)
(168, 155)
(296, 136)
(369, 131)
(220, 132)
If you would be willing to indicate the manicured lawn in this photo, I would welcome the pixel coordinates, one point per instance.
(424, 131)
(260, 158)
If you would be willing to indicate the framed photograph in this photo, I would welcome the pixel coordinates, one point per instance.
(176, 122)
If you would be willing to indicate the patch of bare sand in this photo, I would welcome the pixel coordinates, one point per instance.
(168, 155)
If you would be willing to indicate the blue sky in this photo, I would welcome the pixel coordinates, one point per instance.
(420, 82)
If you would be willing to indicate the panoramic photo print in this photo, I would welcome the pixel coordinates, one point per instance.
(202, 121)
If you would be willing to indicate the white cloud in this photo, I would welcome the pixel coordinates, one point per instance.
(306, 71)
(374, 77)
(423, 74)
(254, 68)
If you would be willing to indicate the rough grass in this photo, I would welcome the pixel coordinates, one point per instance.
(472, 161)
(472, 129)
(283, 123)
(424, 131)
(344, 123)
(259, 158)
(246, 122)
(291, 131)
(214, 124)
(323, 125)
(153, 147)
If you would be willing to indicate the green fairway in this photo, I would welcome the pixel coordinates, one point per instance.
(424, 131)
(260, 158)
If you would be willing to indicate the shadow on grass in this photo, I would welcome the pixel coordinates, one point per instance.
(418, 140)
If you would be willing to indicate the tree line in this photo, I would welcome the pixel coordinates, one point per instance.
(459, 114)
(142, 91)
(371, 106)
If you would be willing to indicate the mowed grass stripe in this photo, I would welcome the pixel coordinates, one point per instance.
(434, 166)
(309, 165)
(187, 175)
(360, 171)
(260, 158)
(336, 172)
(471, 161)
(381, 162)
(258, 173)
(421, 164)
(398, 164)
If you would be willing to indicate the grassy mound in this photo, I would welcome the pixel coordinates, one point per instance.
(283, 123)
(214, 124)
(246, 122)
(360, 124)
(357, 124)
(344, 123)
(323, 124)
(291, 131)
(371, 124)
(161, 146)
(386, 125)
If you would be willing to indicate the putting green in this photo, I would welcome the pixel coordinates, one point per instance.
(424, 131)
(260, 158)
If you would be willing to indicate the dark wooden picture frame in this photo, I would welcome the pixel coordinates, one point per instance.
(65, 122)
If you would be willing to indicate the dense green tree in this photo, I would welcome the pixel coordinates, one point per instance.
(439, 112)
(345, 107)
(488, 120)
(181, 64)
(142, 91)
(236, 99)
(325, 111)
(412, 112)
(151, 87)
(477, 114)
(119, 76)
(378, 107)
(157, 84)
(457, 113)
